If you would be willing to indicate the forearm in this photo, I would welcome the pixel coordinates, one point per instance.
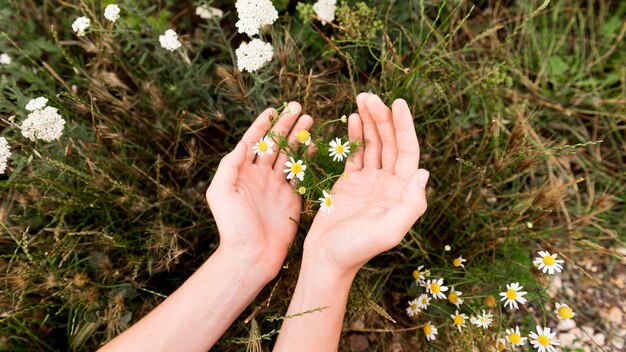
(195, 316)
(323, 290)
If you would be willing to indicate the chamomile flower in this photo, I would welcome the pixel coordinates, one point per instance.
(513, 295)
(80, 25)
(418, 275)
(169, 40)
(337, 150)
(264, 146)
(430, 331)
(325, 9)
(458, 262)
(564, 312)
(253, 55)
(303, 137)
(423, 301)
(5, 153)
(459, 319)
(453, 297)
(112, 12)
(302, 190)
(294, 168)
(482, 320)
(5, 59)
(36, 104)
(544, 340)
(436, 288)
(514, 337)
(413, 308)
(45, 124)
(326, 202)
(548, 263)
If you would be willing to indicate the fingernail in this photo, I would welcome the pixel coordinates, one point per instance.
(293, 108)
(422, 178)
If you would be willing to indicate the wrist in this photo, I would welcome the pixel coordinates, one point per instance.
(253, 266)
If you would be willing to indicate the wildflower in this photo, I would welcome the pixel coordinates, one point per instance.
(5, 59)
(458, 262)
(252, 56)
(325, 9)
(564, 311)
(436, 288)
(302, 190)
(430, 331)
(453, 297)
(514, 337)
(337, 150)
(264, 145)
(254, 14)
(418, 275)
(423, 301)
(209, 12)
(548, 263)
(294, 168)
(513, 295)
(344, 118)
(326, 202)
(112, 12)
(304, 137)
(45, 124)
(458, 319)
(36, 104)
(413, 308)
(544, 340)
(5, 153)
(447, 248)
(80, 25)
(482, 320)
(169, 40)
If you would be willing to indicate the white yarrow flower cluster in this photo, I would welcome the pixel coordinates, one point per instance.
(112, 12)
(169, 40)
(208, 12)
(5, 153)
(36, 104)
(44, 122)
(80, 25)
(252, 56)
(5, 59)
(325, 9)
(254, 14)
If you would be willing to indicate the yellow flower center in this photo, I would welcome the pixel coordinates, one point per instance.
(339, 149)
(302, 190)
(424, 301)
(428, 329)
(262, 146)
(303, 136)
(435, 287)
(426, 272)
(458, 320)
(543, 340)
(296, 168)
(453, 297)
(565, 312)
(456, 262)
(515, 338)
(413, 306)
(511, 294)
(328, 201)
(416, 274)
(549, 260)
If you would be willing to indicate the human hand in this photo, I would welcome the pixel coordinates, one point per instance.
(381, 196)
(255, 208)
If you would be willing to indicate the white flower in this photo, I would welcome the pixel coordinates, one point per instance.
(482, 320)
(413, 308)
(254, 14)
(112, 12)
(453, 297)
(295, 168)
(45, 124)
(423, 301)
(304, 137)
(208, 12)
(326, 202)
(544, 340)
(564, 311)
(337, 150)
(430, 331)
(252, 56)
(514, 337)
(36, 104)
(5, 59)
(5, 153)
(436, 288)
(418, 275)
(548, 263)
(325, 9)
(264, 146)
(458, 262)
(459, 319)
(80, 25)
(512, 295)
(169, 40)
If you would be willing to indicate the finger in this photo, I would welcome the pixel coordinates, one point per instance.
(280, 129)
(384, 124)
(371, 140)
(257, 130)
(408, 145)
(226, 175)
(304, 123)
(355, 133)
